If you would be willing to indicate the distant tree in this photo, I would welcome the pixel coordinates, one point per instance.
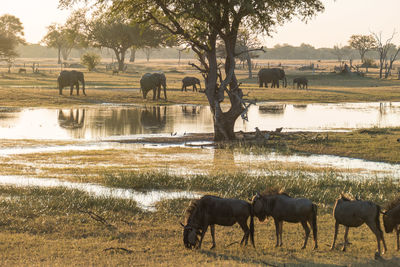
(90, 60)
(362, 43)
(341, 52)
(11, 35)
(53, 38)
(383, 48)
(68, 36)
(116, 33)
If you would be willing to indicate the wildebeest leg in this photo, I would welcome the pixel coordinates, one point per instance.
(346, 241)
(280, 233)
(307, 230)
(246, 230)
(335, 235)
(378, 235)
(397, 236)
(203, 232)
(277, 232)
(212, 228)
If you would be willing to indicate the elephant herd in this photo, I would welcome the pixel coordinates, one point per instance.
(157, 80)
(274, 75)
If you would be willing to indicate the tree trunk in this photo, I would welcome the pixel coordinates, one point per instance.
(59, 55)
(249, 66)
(224, 122)
(133, 55)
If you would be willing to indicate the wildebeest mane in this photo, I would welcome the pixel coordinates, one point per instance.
(190, 209)
(346, 197)
(274, 191)
(392, 204)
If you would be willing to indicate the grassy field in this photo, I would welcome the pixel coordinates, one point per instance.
(59, 227)
(40, 89)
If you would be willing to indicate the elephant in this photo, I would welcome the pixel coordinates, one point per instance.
(273, 76)
(190, 81)
(302, 82)
(71, 78)
(153, 81)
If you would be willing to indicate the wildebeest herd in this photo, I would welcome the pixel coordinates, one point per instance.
(211, 210)
(154, 81)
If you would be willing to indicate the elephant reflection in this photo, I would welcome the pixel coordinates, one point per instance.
(154, 118)
(190, 110)
(73, 120)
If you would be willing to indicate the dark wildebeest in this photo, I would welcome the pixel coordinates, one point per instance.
(302, 82)
(354, 213)
(391, 218)
(22, 70)
(190, 81)
(71, 78)
(282, 207)
(211, 210)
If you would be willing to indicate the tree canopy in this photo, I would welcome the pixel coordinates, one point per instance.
(11, 35)
(362, 43)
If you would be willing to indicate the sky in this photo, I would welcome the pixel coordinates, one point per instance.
(335, 25)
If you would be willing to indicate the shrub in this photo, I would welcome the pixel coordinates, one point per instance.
(90, 60)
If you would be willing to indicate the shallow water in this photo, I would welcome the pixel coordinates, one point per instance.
(128, 121)
(145, 200)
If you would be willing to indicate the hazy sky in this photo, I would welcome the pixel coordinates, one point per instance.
(341, 19)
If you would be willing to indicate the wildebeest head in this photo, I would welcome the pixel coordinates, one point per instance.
(388, 223)
(258, 207)
(190, 236)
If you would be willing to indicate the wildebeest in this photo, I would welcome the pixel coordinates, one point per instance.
(282, 207)
(302, 82)
(354, 213)
(211, 210)
(190, 81)
(71, 78)
(21, 70)
(391, 218)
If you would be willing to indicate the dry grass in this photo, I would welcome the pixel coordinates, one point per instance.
(43, 228)
(103, 87)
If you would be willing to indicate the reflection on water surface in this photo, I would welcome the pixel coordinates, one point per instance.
(106, 121)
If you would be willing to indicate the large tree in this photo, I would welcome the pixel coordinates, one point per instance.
(362, 43)
(202, 24)
(11, 35)
(68, 36)
(115, 32)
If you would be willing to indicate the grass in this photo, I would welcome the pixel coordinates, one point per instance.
(47, 227)
(322, 188)
(102, 87)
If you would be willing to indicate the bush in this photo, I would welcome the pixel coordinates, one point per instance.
(90, 60)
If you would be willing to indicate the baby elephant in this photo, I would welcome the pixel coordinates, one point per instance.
(302, 82)
(190, 81)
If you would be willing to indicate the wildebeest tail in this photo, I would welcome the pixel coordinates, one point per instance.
(314, 220)
(252, 229)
